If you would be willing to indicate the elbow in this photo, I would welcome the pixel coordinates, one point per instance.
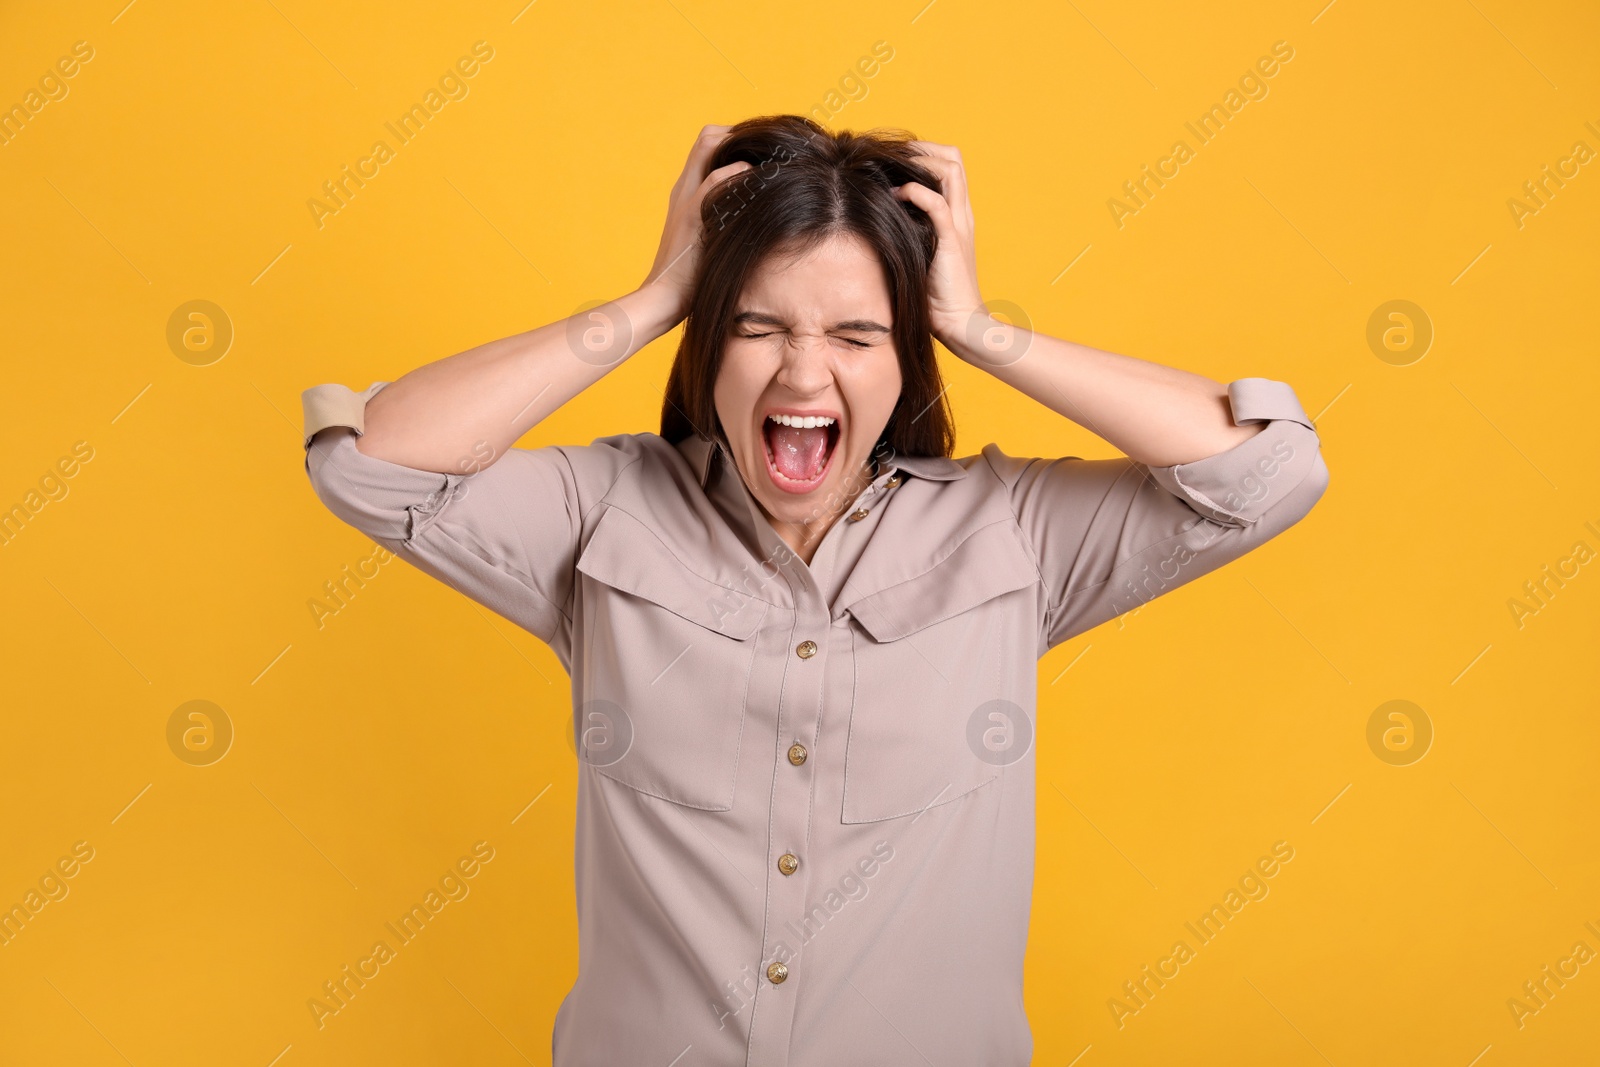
(1318, 478)
(1269, 481)
(1298, 502)
(1315, 484)
(1301, 449)
(341, 479)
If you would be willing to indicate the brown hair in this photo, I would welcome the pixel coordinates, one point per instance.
(805, 185)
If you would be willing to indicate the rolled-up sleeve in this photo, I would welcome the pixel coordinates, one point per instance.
(1110, 535)
(506, 534)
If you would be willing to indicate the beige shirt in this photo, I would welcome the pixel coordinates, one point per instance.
(805, 811)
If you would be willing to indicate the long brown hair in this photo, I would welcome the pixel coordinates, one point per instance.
(806, 185)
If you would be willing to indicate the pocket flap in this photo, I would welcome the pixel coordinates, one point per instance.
(625, 554)
(990, 562)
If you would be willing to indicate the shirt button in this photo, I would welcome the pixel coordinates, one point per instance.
(788, 862)
(806, 649)
(797, 753)
(777, 972)
(894, 480)
(857, 515)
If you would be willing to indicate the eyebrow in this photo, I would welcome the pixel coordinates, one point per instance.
(761, 318)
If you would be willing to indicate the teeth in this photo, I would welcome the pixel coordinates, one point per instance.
(801, 421)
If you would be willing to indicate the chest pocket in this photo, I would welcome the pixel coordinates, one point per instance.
(660, 681)
(936, 652)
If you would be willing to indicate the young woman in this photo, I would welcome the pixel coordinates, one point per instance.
(802, 638)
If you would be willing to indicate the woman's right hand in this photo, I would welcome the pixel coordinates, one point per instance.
(679, 253)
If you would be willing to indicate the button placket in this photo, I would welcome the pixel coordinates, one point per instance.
(864, 503)
(800, 711)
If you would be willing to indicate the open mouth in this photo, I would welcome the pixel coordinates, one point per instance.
(799, 449)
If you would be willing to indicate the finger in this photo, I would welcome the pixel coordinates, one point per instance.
(694, 168)
(950, 156)
(717, 177)
(936, 207)
(949, 171)
(709, 134)
(944, 151)
(723, 172)
(952, 175)
(730, 168)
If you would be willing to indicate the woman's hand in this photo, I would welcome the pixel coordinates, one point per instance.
(953, 295)
(679, 253)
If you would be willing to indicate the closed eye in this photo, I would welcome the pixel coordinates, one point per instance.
(847, 340)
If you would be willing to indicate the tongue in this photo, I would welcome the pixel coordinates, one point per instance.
(798, 452)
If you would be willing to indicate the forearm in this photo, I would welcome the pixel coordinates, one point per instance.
(1154, 414)
(463, 412)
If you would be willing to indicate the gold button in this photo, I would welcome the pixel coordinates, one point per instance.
(788, 862)
(797, 753)
(857, 515)
(894, 480)
(806, 649)
(777, 972)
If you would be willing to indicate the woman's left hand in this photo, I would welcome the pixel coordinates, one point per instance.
(953, 295)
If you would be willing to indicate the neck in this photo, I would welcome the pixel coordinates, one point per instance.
(804, 537)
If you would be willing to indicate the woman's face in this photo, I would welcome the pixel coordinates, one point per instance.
(810, 342)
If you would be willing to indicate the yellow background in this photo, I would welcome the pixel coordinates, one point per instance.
(1183, 741)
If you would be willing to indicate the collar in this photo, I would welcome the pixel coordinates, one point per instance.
(703, 452)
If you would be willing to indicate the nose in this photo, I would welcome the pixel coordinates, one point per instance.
(805, 370)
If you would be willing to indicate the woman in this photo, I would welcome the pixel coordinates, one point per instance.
(802, 639)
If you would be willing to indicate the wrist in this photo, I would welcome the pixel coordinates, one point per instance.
(653, 309)
(975, 336)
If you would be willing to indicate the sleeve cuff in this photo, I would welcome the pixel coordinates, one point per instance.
(1237, 487)
(1263, 400)
(335, 405)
